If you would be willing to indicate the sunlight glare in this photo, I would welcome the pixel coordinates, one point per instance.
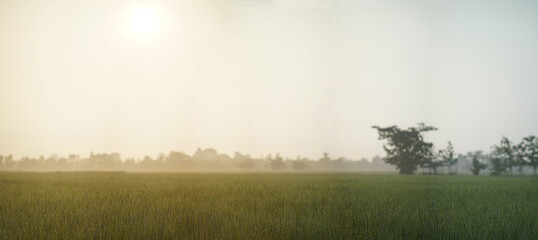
(143, 19)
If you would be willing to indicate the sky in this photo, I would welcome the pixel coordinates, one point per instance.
(295, 77)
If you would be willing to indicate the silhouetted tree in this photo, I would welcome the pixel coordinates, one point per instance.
(247, 164)
(276, 163)
(9, 163)
(498, 166)
(519, 160)
(528, 152)
(244, 162)
(178, 160)
(26, 163)
(325, 157)
(206, 155)
(49, 163)
(448, 157)
(432, 162)
(406, 148)
(147, 163)
(503, 157)
(477, 166)
(62, 164)
(325, 162)
(437, 162)
(198, 155)
(299, 164)
(377, 162)
(73, 160)
(129, 164)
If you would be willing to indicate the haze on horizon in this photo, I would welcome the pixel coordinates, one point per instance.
(295, 77)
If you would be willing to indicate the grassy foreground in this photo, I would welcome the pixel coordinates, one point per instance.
(265, 206)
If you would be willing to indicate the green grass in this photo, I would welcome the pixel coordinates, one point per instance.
(265, 206)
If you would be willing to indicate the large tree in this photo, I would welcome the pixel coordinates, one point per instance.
(406, 148)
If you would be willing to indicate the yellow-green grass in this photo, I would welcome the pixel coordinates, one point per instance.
(265, 206)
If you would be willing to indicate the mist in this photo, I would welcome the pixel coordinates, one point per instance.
(293, 77)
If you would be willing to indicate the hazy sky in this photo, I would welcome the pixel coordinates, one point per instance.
(297, 77)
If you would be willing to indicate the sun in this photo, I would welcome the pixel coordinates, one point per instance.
(143, 19)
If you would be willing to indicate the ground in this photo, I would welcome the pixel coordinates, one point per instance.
(266, 206)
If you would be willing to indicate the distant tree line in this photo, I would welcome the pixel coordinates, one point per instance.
(202, 160)
(407, 150)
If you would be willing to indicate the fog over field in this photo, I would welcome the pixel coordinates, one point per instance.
(294, 77)
(269, 119)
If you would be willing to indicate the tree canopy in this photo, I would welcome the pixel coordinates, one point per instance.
(406, 148)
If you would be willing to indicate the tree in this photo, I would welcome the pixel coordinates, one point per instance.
(325, 157)
(519, 159)
(9, 163)
(325, 162)
(432, 162)
(498, 166)
(299, 163)
(276, 163)
(177, 160)
(528, 151)
(503, 157)
(247, 164)
(448, 157)
(244, 162)
(477, 166)
(406, 148)
(147, 163)
(129, 164)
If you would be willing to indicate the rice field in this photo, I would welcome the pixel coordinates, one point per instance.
(265, 206)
